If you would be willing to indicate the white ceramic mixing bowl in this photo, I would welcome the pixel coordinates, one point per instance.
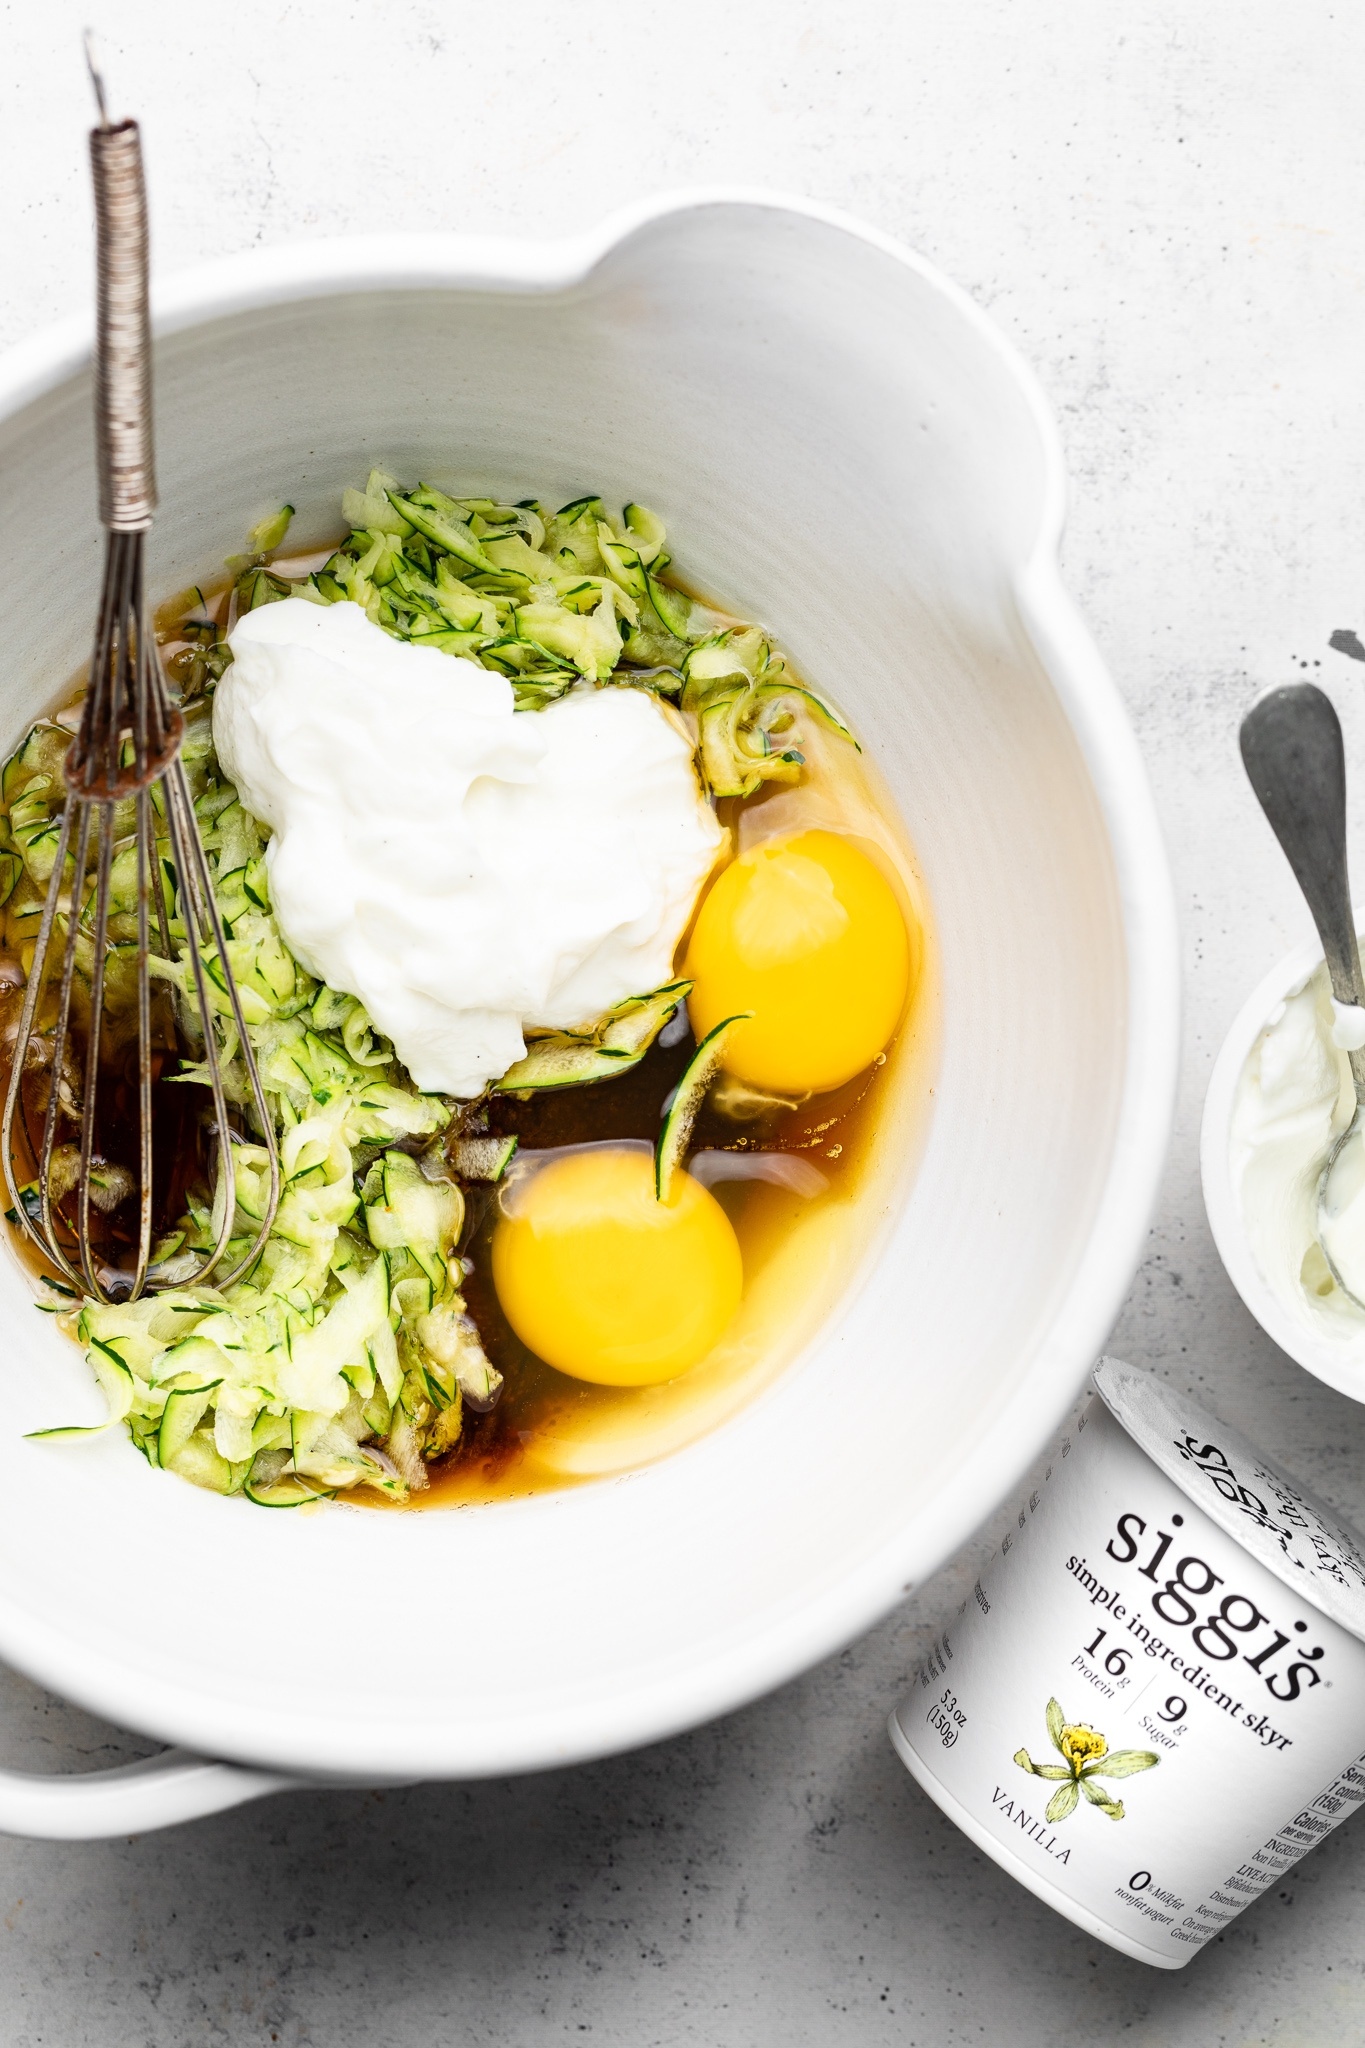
(842, 445)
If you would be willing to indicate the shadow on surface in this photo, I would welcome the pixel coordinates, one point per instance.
(776, 1877)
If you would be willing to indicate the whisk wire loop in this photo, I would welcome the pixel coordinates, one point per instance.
(146, 855)
(104, 860)
(80, 897)
(36, 981)
(206, 936)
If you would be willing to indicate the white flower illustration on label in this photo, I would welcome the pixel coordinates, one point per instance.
(1088, 1758)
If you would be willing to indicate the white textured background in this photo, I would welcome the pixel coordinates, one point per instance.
(1164, 206)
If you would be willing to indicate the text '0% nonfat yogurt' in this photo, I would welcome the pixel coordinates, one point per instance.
(1154, 1703)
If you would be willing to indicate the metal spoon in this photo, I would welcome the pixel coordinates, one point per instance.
(1293, 752)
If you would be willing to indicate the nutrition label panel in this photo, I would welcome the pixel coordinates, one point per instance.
(1284, 1849)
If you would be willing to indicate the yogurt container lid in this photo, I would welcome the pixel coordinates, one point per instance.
(1294, 1535)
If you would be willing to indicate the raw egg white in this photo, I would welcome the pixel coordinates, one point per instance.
(606, 1283)
(806, 934)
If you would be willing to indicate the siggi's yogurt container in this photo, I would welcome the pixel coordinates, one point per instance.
(1154, 1702)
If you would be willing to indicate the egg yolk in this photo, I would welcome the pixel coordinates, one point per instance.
(605, 1282)
(807, 934)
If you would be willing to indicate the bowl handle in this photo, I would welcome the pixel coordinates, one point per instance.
(131, 1799)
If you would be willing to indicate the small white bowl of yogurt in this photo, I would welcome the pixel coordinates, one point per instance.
(1279, 1095)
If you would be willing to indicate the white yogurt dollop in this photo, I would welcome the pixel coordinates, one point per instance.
(1294, 1098)
(463, 869)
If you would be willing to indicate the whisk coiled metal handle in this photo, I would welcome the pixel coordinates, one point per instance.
(123, 352)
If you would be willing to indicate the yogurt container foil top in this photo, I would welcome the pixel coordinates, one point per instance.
(1294, 1535)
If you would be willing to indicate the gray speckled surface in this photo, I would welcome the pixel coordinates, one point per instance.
(1165, 207)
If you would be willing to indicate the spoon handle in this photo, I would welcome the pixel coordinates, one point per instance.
(1293, 752)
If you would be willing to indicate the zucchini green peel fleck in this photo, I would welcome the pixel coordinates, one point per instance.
(565, 1059)
(688, 1097)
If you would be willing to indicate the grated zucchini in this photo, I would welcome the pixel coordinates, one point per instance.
(345, 1357)
(688, 1097)
(618, 1042)
(275, 1387)
(484, 1159)
(550, 600)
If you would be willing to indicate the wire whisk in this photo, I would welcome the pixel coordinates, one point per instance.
(123, 770)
